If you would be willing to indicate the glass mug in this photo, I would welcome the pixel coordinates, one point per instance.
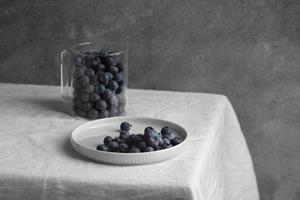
(94, 79)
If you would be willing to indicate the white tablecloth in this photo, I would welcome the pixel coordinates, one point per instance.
(37, 161)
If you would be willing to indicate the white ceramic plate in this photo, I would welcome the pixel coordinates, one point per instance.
(86, 137)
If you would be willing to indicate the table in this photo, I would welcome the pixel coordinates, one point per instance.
(38, 162)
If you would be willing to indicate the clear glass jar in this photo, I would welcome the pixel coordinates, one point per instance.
(94, 79)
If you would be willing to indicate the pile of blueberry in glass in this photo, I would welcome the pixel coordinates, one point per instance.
(98, 85)
(151, 140)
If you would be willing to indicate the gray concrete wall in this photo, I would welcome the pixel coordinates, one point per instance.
(247, 50)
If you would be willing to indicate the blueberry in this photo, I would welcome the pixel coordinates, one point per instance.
(81, 113)
(166, 131)
(119, 140)
(103, 78)
(114, 102)
(118, 77)
(96, 62)
(113, 146)
(78, 72)
(103, 53)
(134, 150)
(85, 97)
(166, 146)
(103, 114)
(77, 102)
(88, 88)
(102, 147)
(176, 141)
(157, 148)
(94, 97)
(151, 141)
(90, 72)
(160, 141)
(123, 147)
(94, 80)
(148, 149)
(93, 114)
(150, 132)
(124, 135)
(113, 85)
(84, 80)
(169, 137)
(120, 66)
(112, 69)
(113, 112)
(166, 141)
(138, 139)
(86, 106)
(109, 61)
(120, 89)
(99, 89)
(142, 145)
(131, 139)
(107, 140)
(99, 68)
(110, 75)
(125, 126)
(107, 94)
(101, 105)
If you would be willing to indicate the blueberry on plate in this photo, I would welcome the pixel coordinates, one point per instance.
(113, 146)
(166, 141)
(102, 147)
(176, 141)
(123, 148)
(160, 141)
(124, 135)
(101, 105)
(152, 141)
(125, 126)
(131, 139)
(107, 140)
(170, 137)
(93, 114)
(138, 139)
(157, 148)
(166, 131)
(166, 146)
(142, 145)
(134, 150)
(148, 149)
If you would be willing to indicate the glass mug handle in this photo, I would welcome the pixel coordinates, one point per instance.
(66, 75)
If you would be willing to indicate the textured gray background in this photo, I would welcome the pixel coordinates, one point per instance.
(247, 50)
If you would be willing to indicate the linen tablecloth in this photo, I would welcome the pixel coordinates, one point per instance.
(38, 162)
